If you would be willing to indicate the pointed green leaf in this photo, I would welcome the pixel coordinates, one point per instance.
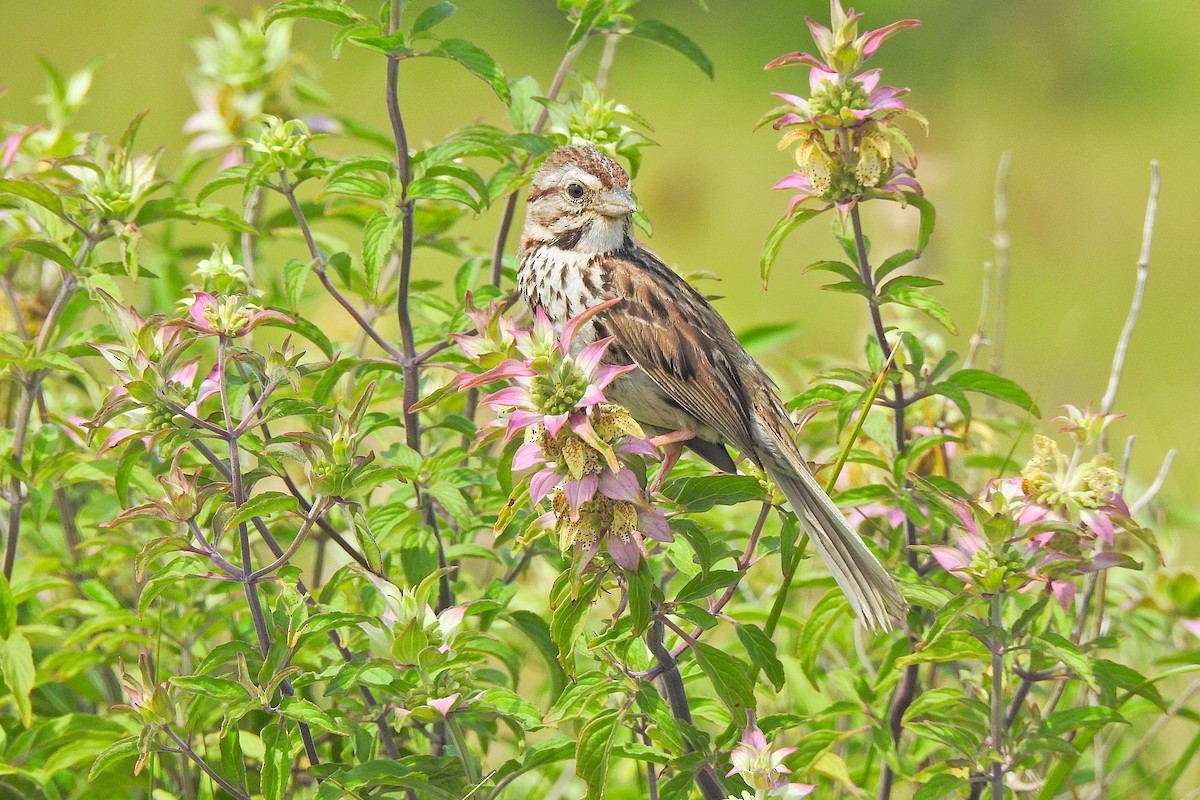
(277, 760)
(730, 677)
(778, 234)
(593, 754)
(16, 667)
(913, 297)
(436, 13)
(984, 382)
(588, 16)
(377, 238)
(762, 651)
(662, 33)
(477, 62)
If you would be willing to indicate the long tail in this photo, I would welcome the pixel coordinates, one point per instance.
(872, 592)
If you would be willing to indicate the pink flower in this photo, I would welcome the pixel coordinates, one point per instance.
(444, 705)
(230, 316)
(761, 766)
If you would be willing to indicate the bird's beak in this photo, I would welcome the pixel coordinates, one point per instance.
(617, 203)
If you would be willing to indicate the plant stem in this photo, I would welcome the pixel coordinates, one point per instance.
(319, 507)
(1001, 241)
(460, 744)
(411, 370)
(1135, 306)
(510, 206)
(672, 683)
(239, 499)
(998, 727)
(320, 264)
(186, 749)
(31, 388)
(17, 498)
(906, 689)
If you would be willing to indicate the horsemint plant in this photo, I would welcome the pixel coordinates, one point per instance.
(243, 558)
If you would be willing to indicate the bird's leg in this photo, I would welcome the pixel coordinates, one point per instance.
(672, 447)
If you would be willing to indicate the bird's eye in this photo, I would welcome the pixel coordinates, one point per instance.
(575, 190)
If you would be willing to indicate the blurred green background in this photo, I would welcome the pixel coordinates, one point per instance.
(1082, 93)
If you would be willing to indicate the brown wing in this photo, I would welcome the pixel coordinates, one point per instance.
(671, 332)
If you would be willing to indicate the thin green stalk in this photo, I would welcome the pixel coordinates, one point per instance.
(998, 727)
(460, 744)
(411, 369)
(789, 569)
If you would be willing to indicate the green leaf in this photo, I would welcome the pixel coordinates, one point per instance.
(913, 297)
(1066, 720)
(324, 10)
(330, 620)
(862, 495)
(178, 208)
(541, 754)
(156, 547)
(928, 219)
(35, 193)
(301, 710)
(783, 229)
(847, 271)
(511, 705)
(705, 584)
(119, 750)
(588, 16)
(953, 646)
(261, 506)
(16, 668)
(662, 33)
(894, 262)
(8, 609)
(216, 688)
(295, 275)
(377, 238)
(984, 382)
(762, 652)
(366, 541)
(700, 493)
(233, 761)
(593, 754)
(570, 616)
(538, 632)
(277, 760)
(763, 337)
(955, 396)
(640, 587)
(821, 620)
(907, 281)
(1062, 648)
(433, 189)
(47, 250)
(477, 62)
(392, 45)
(438, 12)
(939, 787)
(730, 677)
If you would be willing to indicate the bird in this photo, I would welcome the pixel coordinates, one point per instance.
(695, 385)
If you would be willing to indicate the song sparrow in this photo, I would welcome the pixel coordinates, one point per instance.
(695, 382)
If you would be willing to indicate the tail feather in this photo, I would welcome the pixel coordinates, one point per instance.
(872, 592)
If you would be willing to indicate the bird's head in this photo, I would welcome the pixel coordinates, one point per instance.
(580, 201)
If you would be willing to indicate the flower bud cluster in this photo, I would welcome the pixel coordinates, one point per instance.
(582, 443)
(221, 275)
(283, 143)
(848, 145)
(1057, 521)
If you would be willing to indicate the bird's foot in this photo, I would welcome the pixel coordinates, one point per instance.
(672, 447)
